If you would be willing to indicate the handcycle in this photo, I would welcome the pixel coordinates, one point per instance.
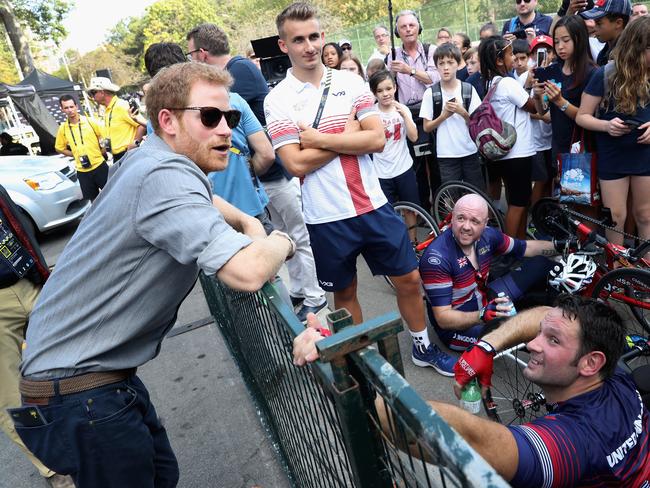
(514, 399)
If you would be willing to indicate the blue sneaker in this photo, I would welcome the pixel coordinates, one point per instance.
(433, 357)
(304, 310)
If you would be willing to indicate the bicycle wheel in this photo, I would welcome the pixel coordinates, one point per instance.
(549, 218)
(419, 224)
(514, 399)
(449, 193)
(627, 290)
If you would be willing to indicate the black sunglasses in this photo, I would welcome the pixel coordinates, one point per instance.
(519, 1)
(346, 48)
(211, 116)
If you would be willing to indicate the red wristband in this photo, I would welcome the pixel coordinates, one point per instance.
(324, 332)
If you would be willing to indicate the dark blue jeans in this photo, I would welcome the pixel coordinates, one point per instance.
(105, 437)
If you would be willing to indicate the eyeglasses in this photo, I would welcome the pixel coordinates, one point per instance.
(519, 1)
(211, 116)
(346, 48)
(188, 54)
(508, 44)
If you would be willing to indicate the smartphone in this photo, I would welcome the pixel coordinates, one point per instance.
(632, 123)
(541, 57)
(27, 416)
(542, 74)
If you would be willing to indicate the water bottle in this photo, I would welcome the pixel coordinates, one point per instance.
(512, 311)
(470, 397)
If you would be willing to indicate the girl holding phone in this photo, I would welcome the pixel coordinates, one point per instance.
(619, 113)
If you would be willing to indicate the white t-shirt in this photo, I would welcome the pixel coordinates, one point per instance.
(542, 132)
(395, 158)
(506, 102)
(595, 46)
(452, 136)
(348, 185)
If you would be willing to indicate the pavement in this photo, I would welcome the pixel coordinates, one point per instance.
(198, 391)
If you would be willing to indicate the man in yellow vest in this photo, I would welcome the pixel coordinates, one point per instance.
(80, 137)
(122, 129)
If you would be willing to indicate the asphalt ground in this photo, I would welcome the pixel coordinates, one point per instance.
(198, 391)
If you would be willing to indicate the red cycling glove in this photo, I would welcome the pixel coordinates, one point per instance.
(489, 312)
(475, 362)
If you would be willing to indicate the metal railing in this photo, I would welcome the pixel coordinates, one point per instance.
(349, 419)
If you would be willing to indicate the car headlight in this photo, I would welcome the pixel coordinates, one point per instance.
(45, 181)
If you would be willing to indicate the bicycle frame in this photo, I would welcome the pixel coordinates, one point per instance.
(613, 254)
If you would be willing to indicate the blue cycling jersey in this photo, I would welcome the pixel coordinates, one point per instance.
(597, 439)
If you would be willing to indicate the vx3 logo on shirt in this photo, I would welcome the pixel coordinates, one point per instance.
(338, 94)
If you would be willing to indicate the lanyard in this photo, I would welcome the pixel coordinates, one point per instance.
(81, 134)
(110, 117)
(323, 98)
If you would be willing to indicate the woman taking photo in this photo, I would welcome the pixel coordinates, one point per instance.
(618, 111)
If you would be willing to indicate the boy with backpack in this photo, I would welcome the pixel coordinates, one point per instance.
(446, 108)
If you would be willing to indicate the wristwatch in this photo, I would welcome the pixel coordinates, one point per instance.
(412, 71)
(564, 106)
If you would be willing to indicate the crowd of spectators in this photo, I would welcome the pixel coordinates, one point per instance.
(223, 149)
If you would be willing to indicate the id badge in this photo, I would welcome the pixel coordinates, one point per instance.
(13, 253)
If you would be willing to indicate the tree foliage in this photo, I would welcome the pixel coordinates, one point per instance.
(44, 17)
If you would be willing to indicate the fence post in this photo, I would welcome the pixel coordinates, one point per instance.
(363, 447)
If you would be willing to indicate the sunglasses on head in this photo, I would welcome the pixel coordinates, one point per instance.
(211, 116)
(519, 1)
(508, 44)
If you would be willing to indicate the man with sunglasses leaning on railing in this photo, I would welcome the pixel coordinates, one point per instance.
(143, 243)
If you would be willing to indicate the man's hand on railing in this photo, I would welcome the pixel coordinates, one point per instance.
(476, 362)
(304, 345)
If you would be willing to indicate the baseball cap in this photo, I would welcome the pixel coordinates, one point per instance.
(343, 42)
(102, 83)
(604, 7)
(542, 39)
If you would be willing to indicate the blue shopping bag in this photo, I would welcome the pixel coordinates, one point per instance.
(578, 182)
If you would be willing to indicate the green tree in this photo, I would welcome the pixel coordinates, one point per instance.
(8, 73)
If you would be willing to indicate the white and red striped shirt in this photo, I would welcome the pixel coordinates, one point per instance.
(347, 186)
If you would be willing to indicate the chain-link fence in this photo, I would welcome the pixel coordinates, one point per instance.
(351, 419)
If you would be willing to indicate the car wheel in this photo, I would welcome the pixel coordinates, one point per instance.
(29, 223)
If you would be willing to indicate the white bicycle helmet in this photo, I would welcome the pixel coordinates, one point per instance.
(572, 273)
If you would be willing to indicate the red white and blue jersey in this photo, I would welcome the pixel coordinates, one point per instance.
(448, 276)
(348, 185)
(597, 439)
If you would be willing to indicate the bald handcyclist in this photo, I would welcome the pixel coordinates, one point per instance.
(455, 269)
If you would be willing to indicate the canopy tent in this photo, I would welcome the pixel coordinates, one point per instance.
(30, 105)
(50, 89)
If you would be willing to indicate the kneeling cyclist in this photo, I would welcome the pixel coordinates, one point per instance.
(455, 267)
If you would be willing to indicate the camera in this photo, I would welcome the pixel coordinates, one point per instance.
(134, 105)
(85, 162)
(107, 145)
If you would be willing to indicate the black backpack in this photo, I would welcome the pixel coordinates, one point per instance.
(436, 94)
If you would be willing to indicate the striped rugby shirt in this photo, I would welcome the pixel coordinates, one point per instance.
(596, 439)
(348, 185)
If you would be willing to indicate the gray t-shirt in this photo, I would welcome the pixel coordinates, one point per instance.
(116, 288)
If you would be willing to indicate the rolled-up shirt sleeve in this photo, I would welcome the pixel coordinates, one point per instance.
(175, 213)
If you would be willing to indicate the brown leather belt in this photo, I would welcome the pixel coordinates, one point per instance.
(73, 384)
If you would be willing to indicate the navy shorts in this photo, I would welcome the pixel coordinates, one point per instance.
(379, 236)
(402, 188)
